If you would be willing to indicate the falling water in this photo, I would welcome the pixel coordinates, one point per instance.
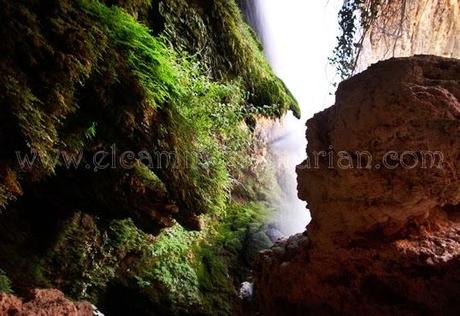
(298, 36)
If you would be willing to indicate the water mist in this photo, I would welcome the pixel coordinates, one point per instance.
(298, 36)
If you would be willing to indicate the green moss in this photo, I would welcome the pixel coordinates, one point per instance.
(148, 177)
(134, 7)
(201, 123)
(212, 124)
(169, 275)
(150, 61)
(117, 83)
(69, 260)
(36, 126)
(88, 255)
(193, 269)
(178, 271)
(219, 256)
(200, 119)
(268, 94)
(5, 283)
(40, 77)
(217, 33)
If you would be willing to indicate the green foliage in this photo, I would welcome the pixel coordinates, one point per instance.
(202, 124)
(213, 114)
(87, 255)
(190, 104)
(5, 283)
(72, 258)
(151, 62)
(353, 16)
(90, 133)
(193, 269)
(219, 256)
(248, 61)
(171, 269)
(218, 35)
(40, 98)
(148, 177)
(37, 127)
(198, 119)
(134, 7)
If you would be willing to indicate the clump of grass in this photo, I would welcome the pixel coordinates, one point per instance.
(38, 128)
(148, 58)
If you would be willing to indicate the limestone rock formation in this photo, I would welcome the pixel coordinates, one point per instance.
(409, 27)
(47, 302)
(382, 183)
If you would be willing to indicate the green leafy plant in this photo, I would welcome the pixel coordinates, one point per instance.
(355, 18)
(90, 133)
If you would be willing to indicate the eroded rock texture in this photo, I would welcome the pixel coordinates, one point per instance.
(408, 27)
(48, 302)
(383, 239)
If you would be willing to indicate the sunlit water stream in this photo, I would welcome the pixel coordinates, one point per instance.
(298, 37)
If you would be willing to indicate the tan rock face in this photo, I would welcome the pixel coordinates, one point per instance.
(47, 302)
(395, 114)
(410, 27)
(385, 231)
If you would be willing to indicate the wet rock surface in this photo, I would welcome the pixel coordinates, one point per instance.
(382, 240)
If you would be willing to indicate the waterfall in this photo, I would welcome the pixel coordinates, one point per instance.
(298, 36)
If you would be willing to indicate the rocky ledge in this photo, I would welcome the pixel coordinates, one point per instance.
(382, 182)
(46, 302)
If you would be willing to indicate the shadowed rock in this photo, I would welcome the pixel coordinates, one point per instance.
(384, 238)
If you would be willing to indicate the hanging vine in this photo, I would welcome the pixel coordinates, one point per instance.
(355, 19)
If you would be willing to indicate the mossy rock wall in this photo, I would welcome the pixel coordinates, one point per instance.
(179, 80)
